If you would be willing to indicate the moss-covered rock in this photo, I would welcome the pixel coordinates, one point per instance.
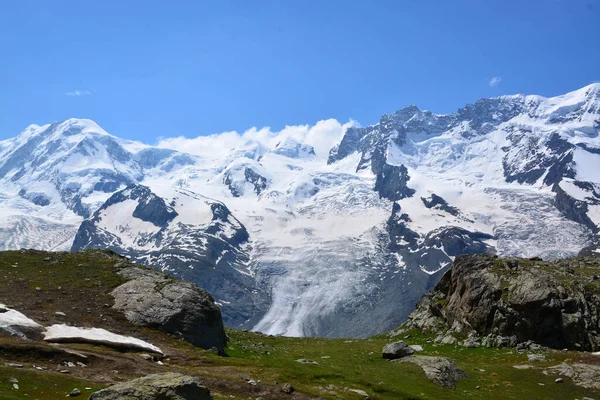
(167, 386)
(506, 302)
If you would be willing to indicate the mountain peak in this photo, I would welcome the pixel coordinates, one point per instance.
(73, 126)
(290, 147)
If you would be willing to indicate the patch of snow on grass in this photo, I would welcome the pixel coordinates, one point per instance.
(65, 334)
(10, 318)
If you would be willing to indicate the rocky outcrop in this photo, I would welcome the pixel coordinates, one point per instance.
(396, 350)
(438, 203)
(349, 144)
(498, 302)
(442, 371)
(434, 251)
(391, 182)
(153, 299)
(258, 181)
(584, 375)
(591, 251)
(577, 209)
(167, 386)
(551, 158)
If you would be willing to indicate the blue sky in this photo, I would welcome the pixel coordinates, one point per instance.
(146, 69)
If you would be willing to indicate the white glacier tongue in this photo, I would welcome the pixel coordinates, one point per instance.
(293, 237)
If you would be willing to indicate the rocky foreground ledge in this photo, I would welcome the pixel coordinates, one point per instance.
(487, 301)
(144, 296)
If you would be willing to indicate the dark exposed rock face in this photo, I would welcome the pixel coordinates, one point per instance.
(457, 241)
(528, 158)
(591, 251)
(398, 230)
(39, 199)
(511, 301)
(258, 181)
(151, 208)
(349, 144)
(391, 183)
(167, 386)
(236, 187)
(433, 252)
(577, 209)
(438, 203)
(153, 299)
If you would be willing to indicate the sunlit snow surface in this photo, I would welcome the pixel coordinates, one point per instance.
(65, 333)
(13, 318)
(315, 229)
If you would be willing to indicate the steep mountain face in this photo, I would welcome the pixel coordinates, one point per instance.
(544, 145)
(293, 241)
(191, 237)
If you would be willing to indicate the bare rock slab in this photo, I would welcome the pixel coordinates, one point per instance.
(167, 386)
(584, 375)
(442, 371)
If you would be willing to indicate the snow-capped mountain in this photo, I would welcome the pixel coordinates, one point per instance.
(184, 233)
(292, 240)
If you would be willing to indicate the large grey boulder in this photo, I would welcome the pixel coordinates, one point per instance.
(167, 386)
(442, 371)
(397, 350)
(153, 299)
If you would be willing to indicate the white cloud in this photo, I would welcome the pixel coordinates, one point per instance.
(495, 81)
(322, 136)
(78, 93)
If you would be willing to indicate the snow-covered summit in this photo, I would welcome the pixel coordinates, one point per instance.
(290, 147)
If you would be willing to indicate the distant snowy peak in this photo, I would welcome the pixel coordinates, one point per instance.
(291, 148)
(137, 218)
(578, 109)
(244, 177)
(78, 164)
(529, 140)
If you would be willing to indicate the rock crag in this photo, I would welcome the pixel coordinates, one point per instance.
(489, 301)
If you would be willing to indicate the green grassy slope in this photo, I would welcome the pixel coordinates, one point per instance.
(78, 285)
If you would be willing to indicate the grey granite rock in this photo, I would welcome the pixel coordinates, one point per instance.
(442, 371)
(167, 386)
(397, 350)
(152, 299)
